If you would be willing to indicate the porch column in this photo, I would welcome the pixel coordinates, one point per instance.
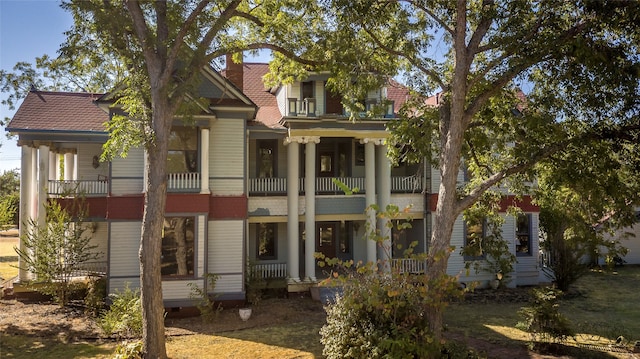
(52, 165)
(310, 206)
(33, 191)
(69, 166)
(26, 186)
(370, 195)
(385, 253)
(293, 191)
(145, 173)
(43, 182)
(204, 170)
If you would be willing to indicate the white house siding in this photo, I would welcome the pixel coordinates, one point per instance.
(84, 164)
(99, 238)
(414, 201)
(178, 289)
(201, 236)
(127, 173)
(272, 206)
(630, 242)
(124, 265)
(319, 96)
(227, 148)
(281, 98)
(225, 254)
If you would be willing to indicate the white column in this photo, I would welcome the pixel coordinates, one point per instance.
(310, 207)
(57, 165)
(26, 185)
(43, 183)
(385, 252)
(69, 166)
(370, 195)
(293, 228)
(204, 170)
(33, 191)
(145, 172)
(52, 165)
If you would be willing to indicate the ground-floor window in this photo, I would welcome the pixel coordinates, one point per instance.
(178, 247)
(523, 234)
(474, 233)
(266, 241)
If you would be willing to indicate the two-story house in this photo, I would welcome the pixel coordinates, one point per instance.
(252, 179)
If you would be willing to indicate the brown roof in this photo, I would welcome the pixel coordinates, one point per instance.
(59, 111)
(253, 86)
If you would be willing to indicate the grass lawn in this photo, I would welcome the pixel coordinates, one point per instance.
(8, 258)
(601, 307)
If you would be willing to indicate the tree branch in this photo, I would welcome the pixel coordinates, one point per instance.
(142, 32)
(433, 16)
(481, 30)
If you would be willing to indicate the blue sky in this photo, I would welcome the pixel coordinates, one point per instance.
(28, 29)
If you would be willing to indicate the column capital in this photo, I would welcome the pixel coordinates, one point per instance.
(375, 141)
(301, 139)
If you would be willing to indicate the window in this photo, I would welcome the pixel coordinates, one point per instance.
(266, 241)
(307, 89)
(183, 150)
(474, 234)
(523, 234)
(266, 159)
(344, 238)
(178, 254)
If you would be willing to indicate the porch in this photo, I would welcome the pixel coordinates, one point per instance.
(327, 185)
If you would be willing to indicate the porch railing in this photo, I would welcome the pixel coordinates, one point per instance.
(325, 185)
(183, 182)
(74, 187)
(408, 265)
(269, 270)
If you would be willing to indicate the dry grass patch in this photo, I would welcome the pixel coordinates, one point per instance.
(8, 257)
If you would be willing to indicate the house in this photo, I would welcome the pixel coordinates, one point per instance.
(251, 181)
(629, 238)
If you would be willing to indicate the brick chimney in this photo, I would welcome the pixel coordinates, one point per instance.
(235, 72)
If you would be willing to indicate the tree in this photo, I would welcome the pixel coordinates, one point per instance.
(578, 57)
(584, 193)
(9, 197)
(56, 251)
(164, 45)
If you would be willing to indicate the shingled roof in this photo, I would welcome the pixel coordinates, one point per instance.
(59, 112)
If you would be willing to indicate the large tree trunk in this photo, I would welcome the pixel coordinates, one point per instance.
(151, 241)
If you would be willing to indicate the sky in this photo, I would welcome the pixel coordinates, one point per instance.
(28, 29)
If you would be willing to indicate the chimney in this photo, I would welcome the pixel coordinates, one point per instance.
(235, 72)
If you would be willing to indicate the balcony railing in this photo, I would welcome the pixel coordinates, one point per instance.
(183, 182)
(306, 107)
(409, 265)
(79, 187)
(326, 185)
(269, 270)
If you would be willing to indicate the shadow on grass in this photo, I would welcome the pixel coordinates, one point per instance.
(26, 345)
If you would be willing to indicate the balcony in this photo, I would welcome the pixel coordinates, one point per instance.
(306, 107)
(183, 182)
(89, 188)
(326, 185)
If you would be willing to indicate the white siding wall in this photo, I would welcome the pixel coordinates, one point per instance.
(127, 173)
(178, 289)
(84, 166)
(225, 257)
(99, 238)
(632, 243)
(319, 95)
(227, 147)
(414, 201)
(281, 97)
(124, 265)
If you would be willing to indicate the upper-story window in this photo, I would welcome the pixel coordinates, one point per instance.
(183, 150)
(266, 159)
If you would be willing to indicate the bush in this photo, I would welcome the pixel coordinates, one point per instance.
(94, 300)
(123, 319)
(204, 302)
(129, 350)
(383, 315)
(542, 319)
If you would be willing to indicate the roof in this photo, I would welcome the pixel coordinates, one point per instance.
(253, 86)
(59, 111)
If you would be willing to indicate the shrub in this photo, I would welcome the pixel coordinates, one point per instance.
(123, 319)
(542, 319)
(204, 302)
(94, 300)
(383, 315)
(129, 350)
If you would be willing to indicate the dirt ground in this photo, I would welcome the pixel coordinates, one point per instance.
(46, 320)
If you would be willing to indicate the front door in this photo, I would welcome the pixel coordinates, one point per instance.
(326, 239)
